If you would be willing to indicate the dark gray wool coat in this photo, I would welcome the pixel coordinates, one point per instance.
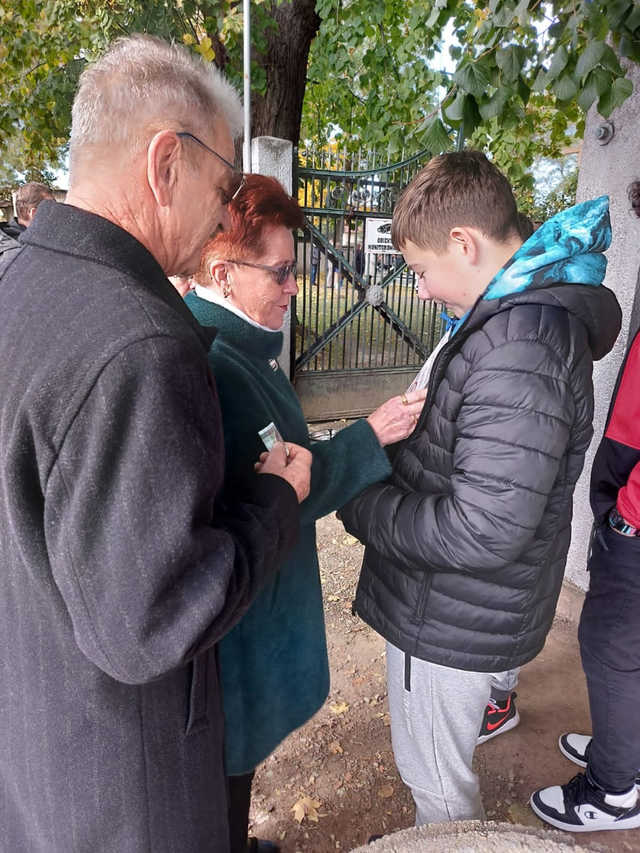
(467, 542)
(120, 565)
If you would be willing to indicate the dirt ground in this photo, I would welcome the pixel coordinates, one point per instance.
(337, 772)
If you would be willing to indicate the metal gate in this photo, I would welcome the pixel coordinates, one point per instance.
(360, 333)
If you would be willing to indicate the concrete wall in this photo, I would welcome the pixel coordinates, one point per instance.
(274, 157)
(608, 170)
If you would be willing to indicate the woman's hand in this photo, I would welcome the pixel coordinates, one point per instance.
(292, 463)
(397, 418)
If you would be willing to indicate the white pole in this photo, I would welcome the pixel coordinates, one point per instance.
(246, 147)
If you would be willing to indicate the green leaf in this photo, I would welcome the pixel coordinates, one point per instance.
(591, 56)
(435, 13)
(632, 22)
(435, 137)
(610, 61)
(522, 12)
(540, 82)
(565, 88)
(558, 64)
(588, 94)
(454, 110)
(470, 116)
(603, 80)
(523, 91)
(503, 17)
(616, 11)
(629, 48)
(473, 78)
(598, 82)
(615, 96)
(496, 104)
(510, 61)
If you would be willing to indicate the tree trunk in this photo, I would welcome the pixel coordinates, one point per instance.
(279, 111)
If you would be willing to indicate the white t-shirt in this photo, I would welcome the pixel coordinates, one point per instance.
(422, 378)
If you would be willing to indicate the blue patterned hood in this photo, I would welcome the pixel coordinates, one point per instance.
(567, 249)
(562, 264)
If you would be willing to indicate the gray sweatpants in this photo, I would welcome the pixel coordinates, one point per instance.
(436, 713)
(505, 681)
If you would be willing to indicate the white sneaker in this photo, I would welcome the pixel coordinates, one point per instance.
(579, 806)
(576, 747)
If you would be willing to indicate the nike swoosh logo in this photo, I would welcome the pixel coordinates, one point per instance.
(492, 726)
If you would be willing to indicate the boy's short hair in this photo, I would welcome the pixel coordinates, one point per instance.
(461, 189)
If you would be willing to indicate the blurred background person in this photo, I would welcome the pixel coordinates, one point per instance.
(28, 197)
(315, 263)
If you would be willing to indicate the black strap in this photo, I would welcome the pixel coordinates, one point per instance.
(407, 671)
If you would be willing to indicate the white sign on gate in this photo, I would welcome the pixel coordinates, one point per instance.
(377, 237)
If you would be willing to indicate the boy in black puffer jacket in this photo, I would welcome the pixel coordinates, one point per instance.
(467, 540)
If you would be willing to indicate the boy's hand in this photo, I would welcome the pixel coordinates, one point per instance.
(292, 463)
(397, 418)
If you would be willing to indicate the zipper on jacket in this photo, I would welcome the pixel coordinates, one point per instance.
(438, 371)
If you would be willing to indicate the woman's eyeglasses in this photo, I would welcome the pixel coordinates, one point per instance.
(238, 176)
(281, 274)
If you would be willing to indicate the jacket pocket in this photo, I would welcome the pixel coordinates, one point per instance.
(197, 717)
(423, 597)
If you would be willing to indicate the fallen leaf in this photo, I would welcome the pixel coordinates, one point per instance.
(350, 540)
(335, 748)
(333, 598)
(339, 707)
(306, 808)
(386, 791)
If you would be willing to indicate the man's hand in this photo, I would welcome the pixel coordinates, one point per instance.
(397, 417)
(292, 463)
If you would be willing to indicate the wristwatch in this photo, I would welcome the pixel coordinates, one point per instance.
(617, 522)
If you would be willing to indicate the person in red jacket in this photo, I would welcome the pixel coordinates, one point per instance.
(606, 795)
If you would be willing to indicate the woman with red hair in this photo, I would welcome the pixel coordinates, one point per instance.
(273, 664)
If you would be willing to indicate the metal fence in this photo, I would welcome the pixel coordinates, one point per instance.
(356, 310)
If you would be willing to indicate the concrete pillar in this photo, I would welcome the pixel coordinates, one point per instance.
(274, 157)
(608, 170)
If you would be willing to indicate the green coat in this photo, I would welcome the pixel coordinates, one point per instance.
(274, 666)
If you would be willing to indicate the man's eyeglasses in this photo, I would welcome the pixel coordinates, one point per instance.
(281, 274)
(238, 175)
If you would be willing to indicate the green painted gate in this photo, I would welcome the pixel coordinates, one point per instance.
(360, 333)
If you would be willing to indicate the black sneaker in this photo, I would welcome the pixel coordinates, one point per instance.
(498, 717)
(579, 806)
(575, 747)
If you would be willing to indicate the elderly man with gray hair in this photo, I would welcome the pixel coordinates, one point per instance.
(123, 560)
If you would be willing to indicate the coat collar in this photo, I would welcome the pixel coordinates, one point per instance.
(254, 341)
(72, 231)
